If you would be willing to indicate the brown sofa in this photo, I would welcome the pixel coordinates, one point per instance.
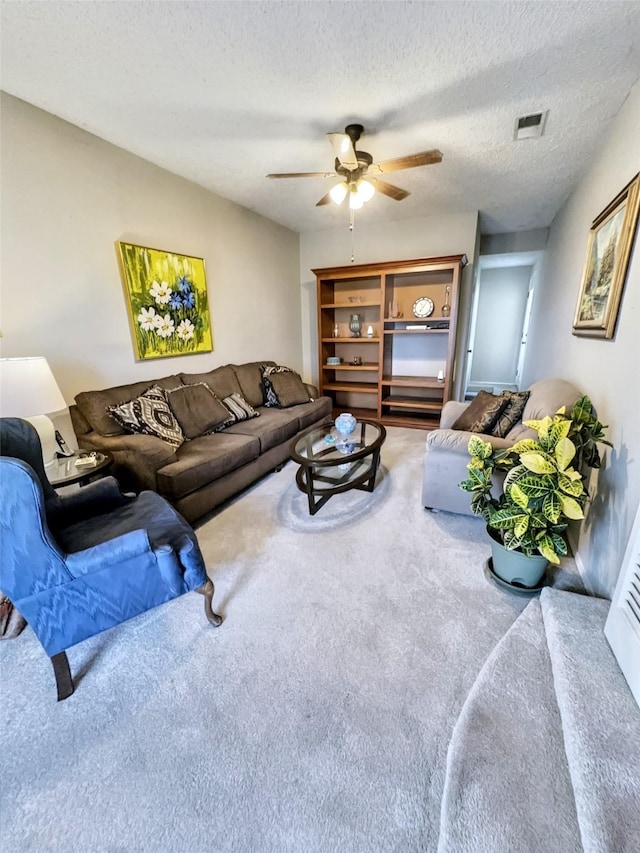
(208, 469)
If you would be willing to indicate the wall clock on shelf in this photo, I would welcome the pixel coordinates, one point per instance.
(423, 307)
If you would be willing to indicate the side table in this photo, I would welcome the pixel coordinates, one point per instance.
(64, 471)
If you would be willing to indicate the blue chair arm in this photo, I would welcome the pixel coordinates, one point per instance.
(106, 554)
(92, 499)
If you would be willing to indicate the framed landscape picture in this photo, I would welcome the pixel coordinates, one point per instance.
(608, 251)
(166, 295)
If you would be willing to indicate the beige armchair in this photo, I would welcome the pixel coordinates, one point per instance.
(446, 457)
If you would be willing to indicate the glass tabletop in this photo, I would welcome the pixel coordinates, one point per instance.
(324, 446)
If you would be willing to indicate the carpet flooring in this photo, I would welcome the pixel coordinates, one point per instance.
(316, 718)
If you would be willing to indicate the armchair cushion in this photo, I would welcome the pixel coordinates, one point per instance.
(482, 413)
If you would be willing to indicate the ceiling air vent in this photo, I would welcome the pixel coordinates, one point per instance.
(531, 126)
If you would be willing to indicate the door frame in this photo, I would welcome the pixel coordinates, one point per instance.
(509, 259)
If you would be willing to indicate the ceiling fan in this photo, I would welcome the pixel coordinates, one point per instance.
(358, 171)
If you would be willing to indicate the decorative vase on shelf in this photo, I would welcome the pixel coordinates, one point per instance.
(355, 325)
(446, 308)
(345, 424)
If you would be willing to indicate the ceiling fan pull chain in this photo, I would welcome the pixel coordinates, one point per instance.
(352, 222)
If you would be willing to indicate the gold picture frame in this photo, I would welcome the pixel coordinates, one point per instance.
(605, 269)
(167, 303)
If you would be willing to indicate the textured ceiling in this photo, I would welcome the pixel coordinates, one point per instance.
(224, 92)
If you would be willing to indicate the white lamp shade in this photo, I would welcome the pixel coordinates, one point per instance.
(27, 388)
(339, 192)
(355, 202)
(366, 190)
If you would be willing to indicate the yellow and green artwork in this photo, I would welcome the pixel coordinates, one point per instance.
(166, 296)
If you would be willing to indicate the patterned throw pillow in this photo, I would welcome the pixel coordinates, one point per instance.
(149, 414)
(511, 414)
(270, 396)
(239, 410)
(289, 389)
(482, 413)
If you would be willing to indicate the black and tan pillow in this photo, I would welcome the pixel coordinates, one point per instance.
(482, 413)
(511, 414)
(197, 409)
(149, 414)
(270, 396)
(289, 389)
(238, 409)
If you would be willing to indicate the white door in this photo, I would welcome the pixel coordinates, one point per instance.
(498, 334)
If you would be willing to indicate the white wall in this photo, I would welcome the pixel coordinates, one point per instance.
(606, 370)
(429, 236)
(67, 196)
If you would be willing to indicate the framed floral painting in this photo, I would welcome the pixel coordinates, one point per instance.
(608, 251)
(166, 297)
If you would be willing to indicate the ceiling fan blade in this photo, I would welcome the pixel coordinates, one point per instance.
(324, 200)
(388, 189)
(303, 175)
(344, 150)
(424, 158)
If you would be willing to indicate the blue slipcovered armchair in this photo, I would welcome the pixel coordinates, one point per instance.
(78, 564)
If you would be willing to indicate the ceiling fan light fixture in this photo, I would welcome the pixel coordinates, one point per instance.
(355, 200)
(366, 190)
(339, 192)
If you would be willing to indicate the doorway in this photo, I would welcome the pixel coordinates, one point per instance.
(500, 314)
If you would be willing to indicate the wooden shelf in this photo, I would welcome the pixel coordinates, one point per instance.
(352, 306)
(414, 381)
(416, 331)
(364, 340)
(354, 387)
(429, 319)
(367, 366)
(413, 403)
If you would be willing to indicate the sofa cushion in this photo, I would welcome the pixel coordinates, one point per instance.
(222, 381)
(511, 414)
(149, 414)
(93, 404)
(481, 414)
(205, 459)
(312, 412)
(249, 376)
(273, 427)
(197, 409)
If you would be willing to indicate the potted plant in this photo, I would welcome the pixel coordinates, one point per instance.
(543, 489)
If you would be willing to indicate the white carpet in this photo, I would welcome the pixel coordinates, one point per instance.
(317, 718)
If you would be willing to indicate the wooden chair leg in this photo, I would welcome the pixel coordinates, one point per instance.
(64, 681)
(207, 590)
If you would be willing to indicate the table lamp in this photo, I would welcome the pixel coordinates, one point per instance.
(29, 391)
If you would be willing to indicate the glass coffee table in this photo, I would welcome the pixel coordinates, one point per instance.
(330, 464)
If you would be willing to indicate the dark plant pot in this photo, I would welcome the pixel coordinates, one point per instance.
(514, 566)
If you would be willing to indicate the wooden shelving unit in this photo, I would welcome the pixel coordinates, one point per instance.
(377, 385)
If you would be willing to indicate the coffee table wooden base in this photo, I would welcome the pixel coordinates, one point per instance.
(307, 480)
